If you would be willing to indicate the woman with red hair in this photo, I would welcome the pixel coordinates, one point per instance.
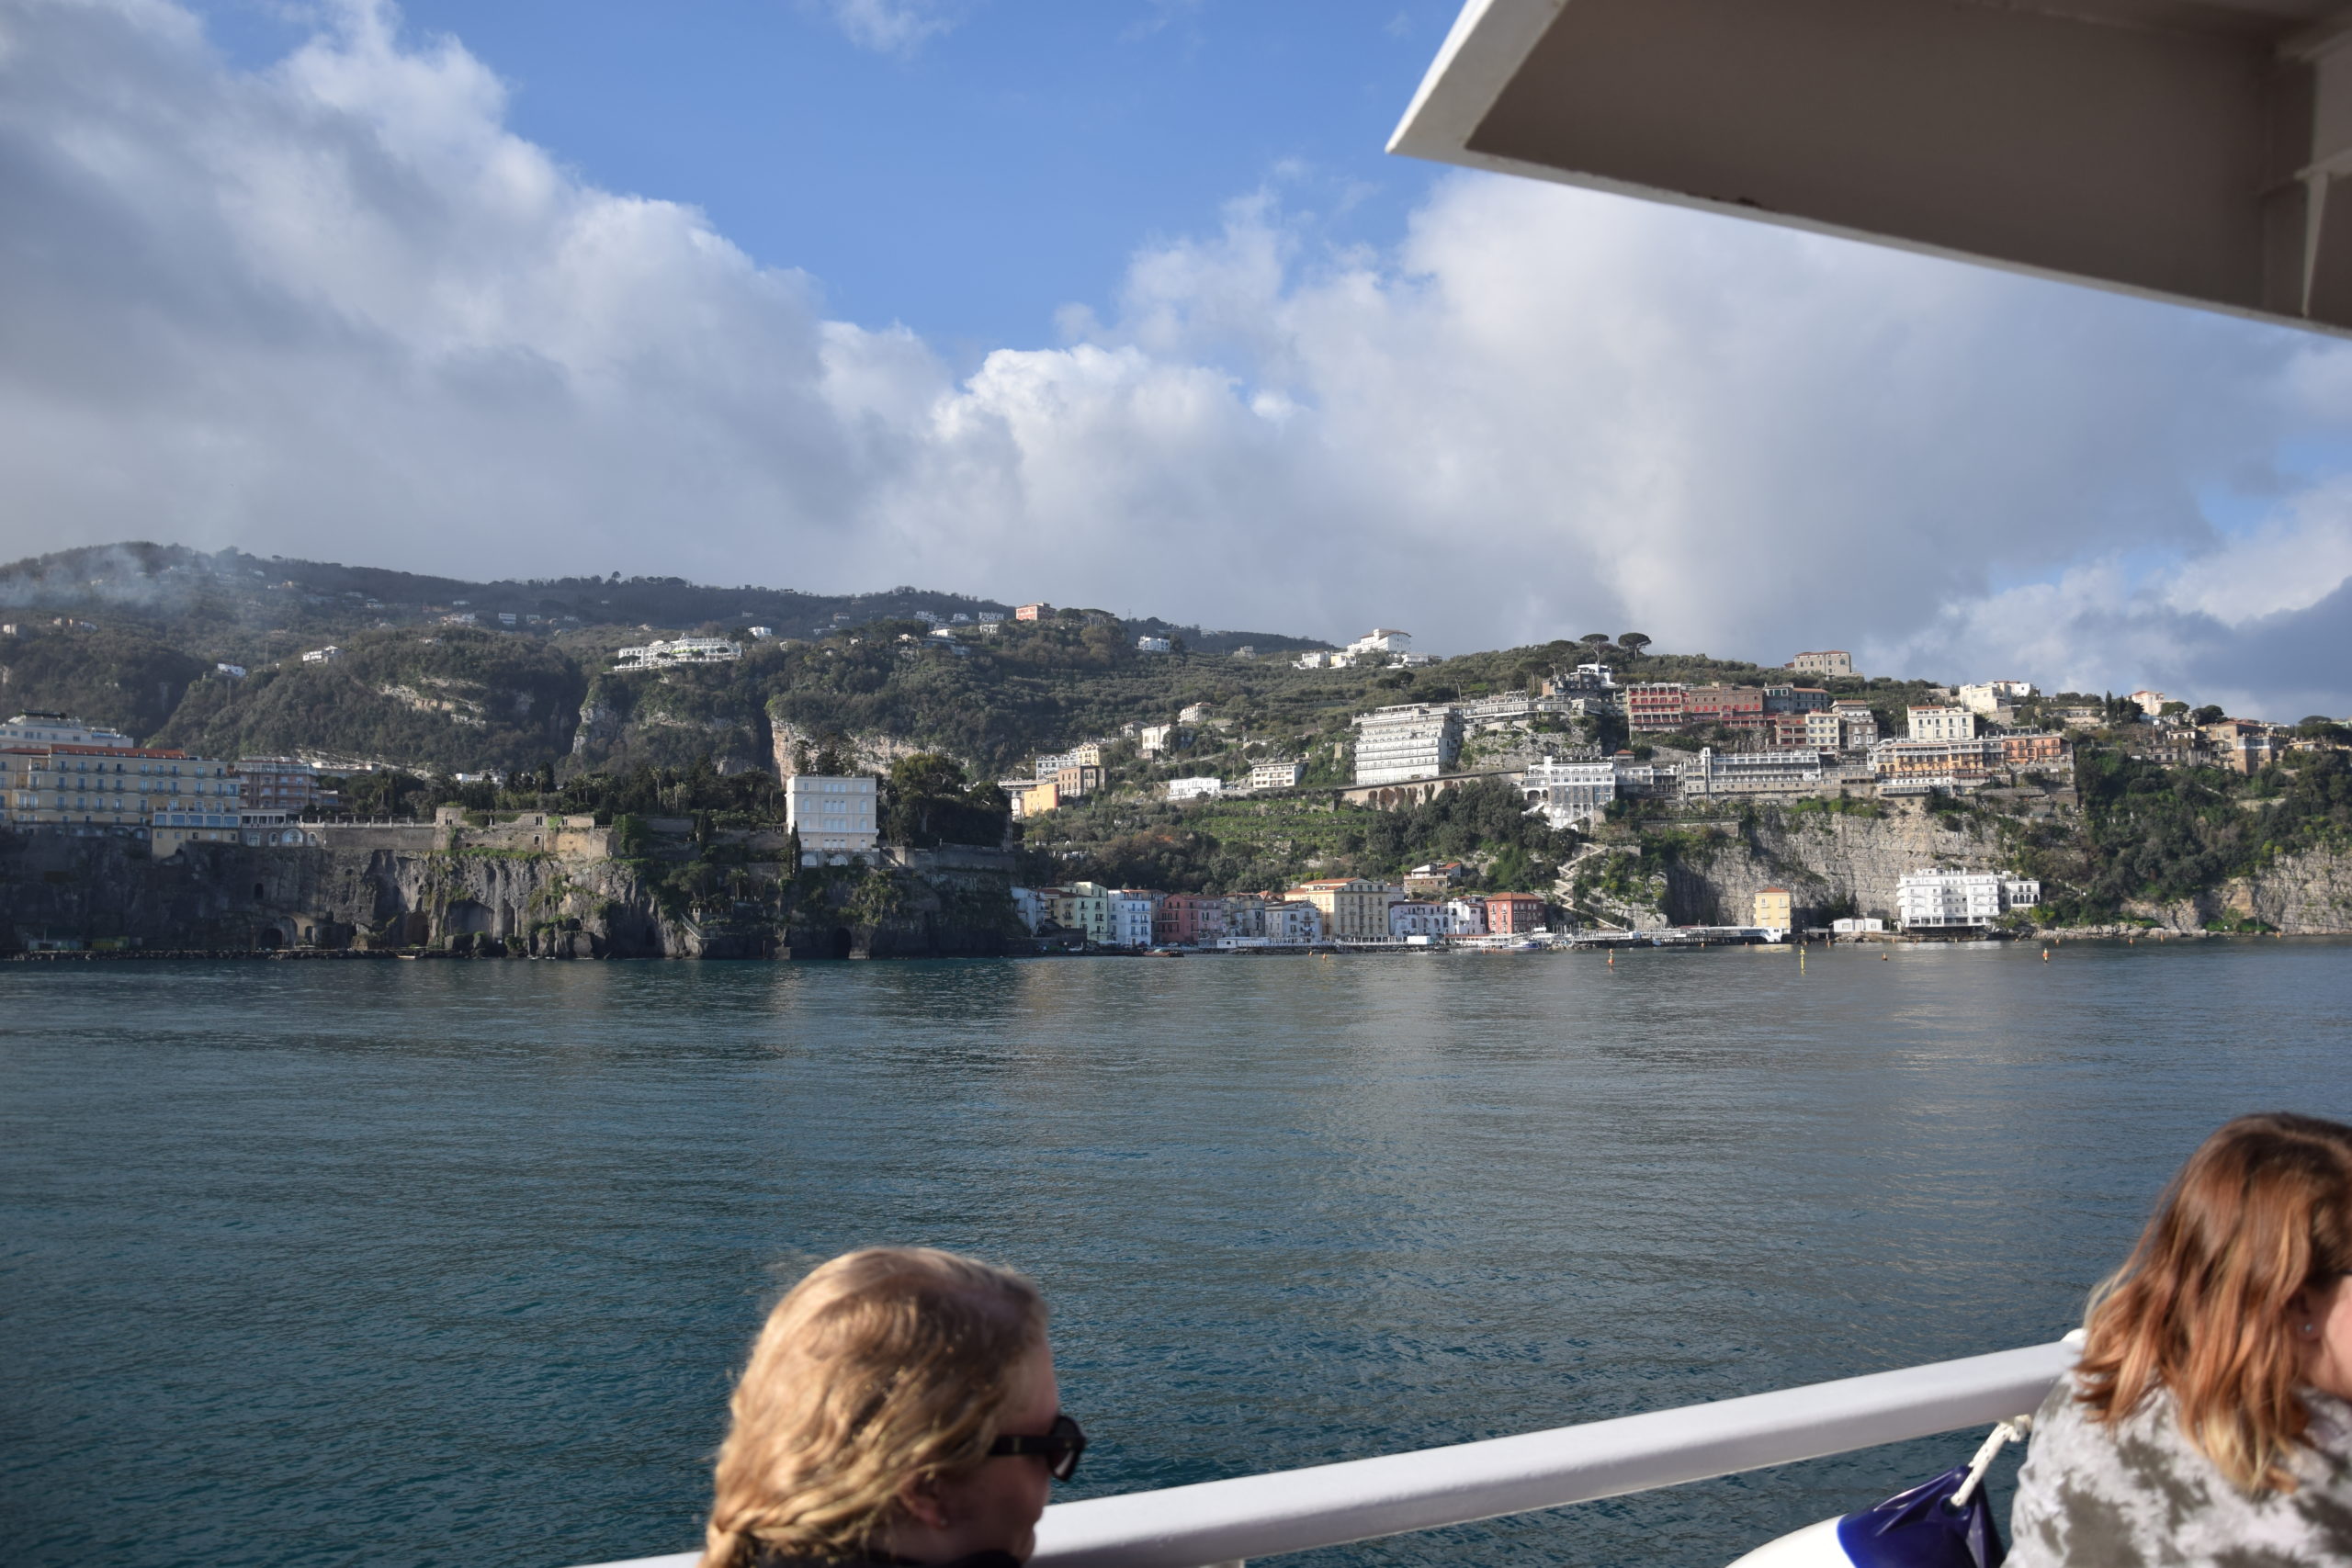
(2207, 1425)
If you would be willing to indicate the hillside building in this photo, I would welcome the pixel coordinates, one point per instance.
(1202, 788)
(1828, 661)
(658, 655)
(834, 817)
(1413, 740)
(1276, 772)
(58, 729)
(1940, 724)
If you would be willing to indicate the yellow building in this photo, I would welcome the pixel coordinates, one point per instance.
(1774, 911)
(169, 796)
(1352, 908)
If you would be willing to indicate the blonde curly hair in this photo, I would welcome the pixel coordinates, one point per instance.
(881, 1367)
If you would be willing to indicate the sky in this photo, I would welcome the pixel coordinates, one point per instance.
(1116, 304)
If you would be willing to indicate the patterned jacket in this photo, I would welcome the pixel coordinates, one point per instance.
(2138, 1493)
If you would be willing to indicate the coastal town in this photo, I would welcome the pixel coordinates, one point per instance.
(1580, 746)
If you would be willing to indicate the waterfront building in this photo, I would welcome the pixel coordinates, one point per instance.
(1192, 920)
(1131, 911)
(39, 728)
(1466, 917)
(1773, 910)
(1569, 793)
(1294, 922)
(1930, 900)
(1202, 788)
(1352, 908)
(1276, 772)
(834, 817)
(1858, 925)
(659, 654)
(1828, 661)
(1940, 723)
(166, 796)
(1029, 908)
(1412, 741)
(1411, 917)
(1513, 914)
(278, 784)
(1085, 907)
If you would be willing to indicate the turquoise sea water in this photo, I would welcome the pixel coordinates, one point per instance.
(307, 1264)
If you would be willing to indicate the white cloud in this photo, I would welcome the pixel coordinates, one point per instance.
(338, 309)
(892, 27)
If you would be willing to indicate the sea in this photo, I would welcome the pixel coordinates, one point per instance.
(311, 1264)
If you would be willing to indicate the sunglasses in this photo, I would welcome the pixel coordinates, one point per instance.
(1059, 1448)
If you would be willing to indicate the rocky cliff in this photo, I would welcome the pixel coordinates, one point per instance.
(538, 887)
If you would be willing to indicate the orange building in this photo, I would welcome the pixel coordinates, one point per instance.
(1511, 913)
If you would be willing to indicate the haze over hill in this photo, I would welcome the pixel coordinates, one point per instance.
(136, 636)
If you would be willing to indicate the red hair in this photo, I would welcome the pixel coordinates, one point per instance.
(2263, 1209)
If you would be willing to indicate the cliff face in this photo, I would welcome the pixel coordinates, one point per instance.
(549, 892)
(1708, 872)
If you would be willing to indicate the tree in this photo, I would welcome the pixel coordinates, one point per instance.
(2209, 713)
(928, 802)
(1633, 643)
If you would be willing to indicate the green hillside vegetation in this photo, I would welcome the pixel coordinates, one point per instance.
(2156, 834)
(115, 676)
(451, 700)
(1245, 845)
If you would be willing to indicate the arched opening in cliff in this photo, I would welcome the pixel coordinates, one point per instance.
(259, 893)
(466, 915)
(842, 943)
(269, 940)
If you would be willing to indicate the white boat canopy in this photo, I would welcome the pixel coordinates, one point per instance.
(2198, 151)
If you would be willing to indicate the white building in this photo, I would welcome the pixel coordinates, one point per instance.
(680, 650)
(1846, 726)
(1413, 740)
(1930, 900)
(234, 672)
(1029, 909)
(1466, 917)
(1315, 659)
(1989, 697)
(1294, 923)
(1281, 772)
(1131, 912)
(1413, 918)
(1152, 645)
(1790, 770)
(1858, 925)
(1381, 639)
(1151, 740)
(2151, 702)
(327, 655)
(834, 817)
(1569, 793)
(1204, 788)
(762, 634)
(1941, 724)
(57, 729)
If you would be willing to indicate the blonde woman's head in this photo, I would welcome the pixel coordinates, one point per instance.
(864, 1420)
(2235, 1299)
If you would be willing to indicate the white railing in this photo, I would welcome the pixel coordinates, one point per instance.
(1331, 1505)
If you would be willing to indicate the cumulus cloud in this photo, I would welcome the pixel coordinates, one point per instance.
(891, 27)
(337, 308)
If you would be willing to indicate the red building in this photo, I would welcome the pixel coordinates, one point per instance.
(1188, 919)
(1653, 706)
(1508, 913)
(1734, 707)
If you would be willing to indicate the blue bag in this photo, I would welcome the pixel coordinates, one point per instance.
(1920, 1528)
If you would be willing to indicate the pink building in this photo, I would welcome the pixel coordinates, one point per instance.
(1188, 919)
(1509, 913)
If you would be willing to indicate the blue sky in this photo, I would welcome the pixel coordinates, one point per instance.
(1116, 304)
(971, 183)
